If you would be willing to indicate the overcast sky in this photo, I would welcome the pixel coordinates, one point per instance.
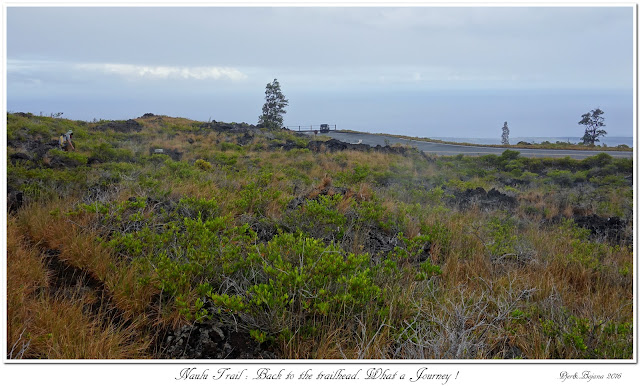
(426, 71)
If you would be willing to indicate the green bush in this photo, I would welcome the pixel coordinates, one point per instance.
(412, 250)
(503, 239)
(302, 281)
(188, 255)
(566, 163)
(298, 152)
(583, 338)
(320, 218)
(75, 157)
(561, 177)
(624, 165)
(533, 165)
(197, 207)
(509, 155)
(372, 214)
(528, 176)
(203, 165)
(224, 146)
(490, 160)
(599, 160)
(256, 195)
(226, 159)
(106, 153)
(439, 235)
(358, 174)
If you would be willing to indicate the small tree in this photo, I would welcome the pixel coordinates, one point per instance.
(593, 122)
(505, 134)
(274, 105)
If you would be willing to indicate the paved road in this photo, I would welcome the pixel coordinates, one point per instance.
(446, 149)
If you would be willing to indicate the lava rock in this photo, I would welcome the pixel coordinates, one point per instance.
(213, 340)
(17, 157)
(604, 228)
(482, 199)
(335, 145)
(127, 126)
(175, 154)
(15, 199)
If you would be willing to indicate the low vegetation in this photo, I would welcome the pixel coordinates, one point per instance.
(558, 145)
(163, 237)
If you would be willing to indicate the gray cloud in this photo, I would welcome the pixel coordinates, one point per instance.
(325, 37)
(163, 72)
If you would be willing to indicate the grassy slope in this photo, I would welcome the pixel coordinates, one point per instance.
(318, 255)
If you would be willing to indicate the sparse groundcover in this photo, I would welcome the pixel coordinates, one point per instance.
(237, 242)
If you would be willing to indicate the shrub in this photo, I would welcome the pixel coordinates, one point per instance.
(298, 152)
(189, 256)
(371, 213)
(224, 146)
(226, 159)
(203, 165)
(572, 336)
(439, 235)
(490, 160)
(301, 282)
(76, 158)
(508, 155)
(566, 163)
(534, 165)
(599, 160)
(320, 218)
(412, 250)
(528, 176)
(435, 195)
(197, 207)
(257, 195)
(358, 174)
(624, 165)
(106, 153)
(503, 240)
(562, 177)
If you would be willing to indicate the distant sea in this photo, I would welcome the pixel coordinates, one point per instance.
(609, 141)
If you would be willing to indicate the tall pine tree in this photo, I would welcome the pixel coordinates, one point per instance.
(273, 108)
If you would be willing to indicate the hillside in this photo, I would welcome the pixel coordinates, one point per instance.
(163, 237)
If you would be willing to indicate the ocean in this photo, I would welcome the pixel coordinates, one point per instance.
(475, 116)
(609, 141)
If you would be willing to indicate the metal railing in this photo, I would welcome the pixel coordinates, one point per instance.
(312, 128)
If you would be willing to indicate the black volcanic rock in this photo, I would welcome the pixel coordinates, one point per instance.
(127, 126)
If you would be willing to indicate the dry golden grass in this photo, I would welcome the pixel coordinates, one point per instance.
(26, 275)
(364, 191)
(60, 330)
(79, 247)
(74, 240)
(195, 189)
(42, 326)
(358, 341)
(130, 295)
(24, 261)
(323, 347)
